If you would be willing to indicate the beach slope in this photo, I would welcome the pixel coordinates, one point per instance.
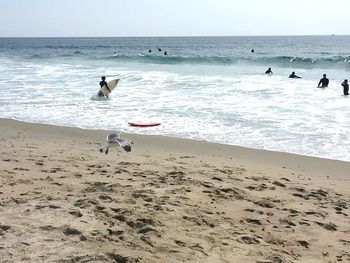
(169, 200)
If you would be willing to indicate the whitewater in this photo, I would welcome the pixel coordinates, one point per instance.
(206, 88)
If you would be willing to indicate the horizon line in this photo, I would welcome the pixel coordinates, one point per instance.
(174, 36)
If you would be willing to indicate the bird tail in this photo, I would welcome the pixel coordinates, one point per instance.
(104, 149)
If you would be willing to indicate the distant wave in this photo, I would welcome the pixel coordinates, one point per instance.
(306, 60)
(170, 59)
(75, 47)
(39, 56)
(209, 60)
(46, 56)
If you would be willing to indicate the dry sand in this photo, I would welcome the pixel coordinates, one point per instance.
(169, 200)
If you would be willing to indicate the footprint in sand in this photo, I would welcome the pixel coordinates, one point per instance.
(260, 188)
(77, 175)
(4, 228)
(249, 240)
(279, 184)
(253, 221)
(106, 198)
(303, 243)
(68, 231)
(328, 226)
(20, 169)
(76, 213)
(39, 162)
(10, 160)
(265, 204)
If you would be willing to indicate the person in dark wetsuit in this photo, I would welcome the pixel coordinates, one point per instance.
(165, 53)
(102, 83)
(293, 76)
(268, 71)
(150, 50)
(323, 82)
(252, 51)
(345, 85)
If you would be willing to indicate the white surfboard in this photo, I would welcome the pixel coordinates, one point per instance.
(111, 85)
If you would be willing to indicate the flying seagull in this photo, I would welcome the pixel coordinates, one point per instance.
(114, 139)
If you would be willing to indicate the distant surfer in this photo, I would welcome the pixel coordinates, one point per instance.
(150, 50)
(323, 82)
(252, 51)
(345, 85)
(293, 76)
(103, 83)
(269, 71)
(165, 53)
(159, 49)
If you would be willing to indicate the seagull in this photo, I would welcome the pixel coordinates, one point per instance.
(113, 139)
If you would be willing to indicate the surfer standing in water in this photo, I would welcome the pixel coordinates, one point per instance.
(323, 82)
(346, 87)
(103, 83)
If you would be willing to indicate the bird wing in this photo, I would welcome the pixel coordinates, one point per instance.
(112, 137)
(124, 143)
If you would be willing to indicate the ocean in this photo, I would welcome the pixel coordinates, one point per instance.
(205, 88)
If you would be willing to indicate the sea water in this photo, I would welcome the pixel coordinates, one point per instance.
(206, 88)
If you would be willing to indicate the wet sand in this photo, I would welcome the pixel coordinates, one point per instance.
(169, 200)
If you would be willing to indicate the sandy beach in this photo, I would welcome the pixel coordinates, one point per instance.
(169, 200)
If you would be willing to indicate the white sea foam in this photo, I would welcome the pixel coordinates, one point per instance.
(268, 112)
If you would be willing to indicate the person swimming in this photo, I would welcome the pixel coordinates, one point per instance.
(165, 53)
(268, 71)
(252, 51)
(293, 76)
(323, 82)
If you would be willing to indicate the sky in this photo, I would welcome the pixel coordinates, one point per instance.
(123, 18)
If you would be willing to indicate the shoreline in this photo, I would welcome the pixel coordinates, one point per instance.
(193, 146)
(168, 200)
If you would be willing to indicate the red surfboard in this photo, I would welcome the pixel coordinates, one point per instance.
(151, 124)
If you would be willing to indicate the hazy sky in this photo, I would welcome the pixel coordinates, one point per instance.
(173, 17)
